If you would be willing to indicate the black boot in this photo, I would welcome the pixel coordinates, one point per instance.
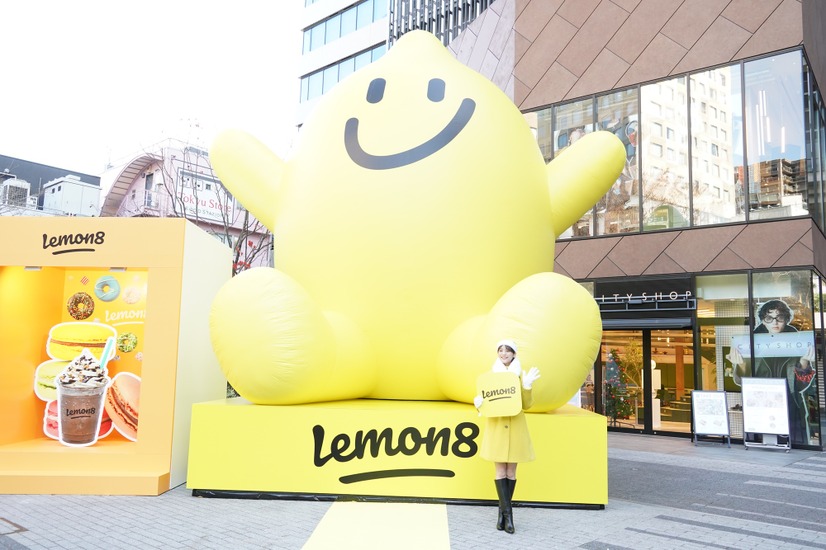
(511, 488)
(500, 492)
(505, 511)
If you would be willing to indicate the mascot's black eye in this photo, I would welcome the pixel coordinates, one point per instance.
(376, 90)
(436, 89)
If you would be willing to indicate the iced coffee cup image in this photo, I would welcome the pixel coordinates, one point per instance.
(81, 390)
(51, 424)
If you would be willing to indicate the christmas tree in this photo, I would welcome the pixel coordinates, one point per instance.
(617, 405)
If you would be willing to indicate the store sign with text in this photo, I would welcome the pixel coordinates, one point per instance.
(651, 290)
(203, 198)
(782, 344)
(631, 298)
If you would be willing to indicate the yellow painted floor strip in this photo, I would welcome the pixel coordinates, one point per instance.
(381, 525)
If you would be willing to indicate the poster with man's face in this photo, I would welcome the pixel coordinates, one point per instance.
(782, 351)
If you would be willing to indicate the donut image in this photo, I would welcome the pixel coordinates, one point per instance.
(131, 295)
(127, 342)
(107, 288)
(80, 306)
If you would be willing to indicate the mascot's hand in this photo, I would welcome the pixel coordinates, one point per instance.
(250, 171)
(477, 401)
(528, 378)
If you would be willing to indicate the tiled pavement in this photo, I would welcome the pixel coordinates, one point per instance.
(176, 519)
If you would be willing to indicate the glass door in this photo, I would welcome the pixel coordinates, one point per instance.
(647, 379)
(621, 375)
(672, 379)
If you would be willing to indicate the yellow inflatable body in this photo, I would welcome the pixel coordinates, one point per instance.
(414, 228)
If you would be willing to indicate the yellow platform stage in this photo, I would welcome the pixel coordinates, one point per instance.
(388, 450)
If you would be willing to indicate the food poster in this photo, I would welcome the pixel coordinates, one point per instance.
(91, 382)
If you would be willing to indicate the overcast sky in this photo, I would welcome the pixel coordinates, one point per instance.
(88, 82)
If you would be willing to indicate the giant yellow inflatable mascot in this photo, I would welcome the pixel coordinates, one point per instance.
(414, 228)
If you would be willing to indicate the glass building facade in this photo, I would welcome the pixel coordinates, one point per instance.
(728, 145)
(737, 143)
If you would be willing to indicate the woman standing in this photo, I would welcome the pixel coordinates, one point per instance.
(507, 441)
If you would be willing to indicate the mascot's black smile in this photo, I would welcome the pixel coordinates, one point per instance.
(435, 92)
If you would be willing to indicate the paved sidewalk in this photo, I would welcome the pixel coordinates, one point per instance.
(663, 493)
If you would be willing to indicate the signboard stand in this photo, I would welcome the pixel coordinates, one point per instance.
(501, 393)
(765, 413)
(709, 416)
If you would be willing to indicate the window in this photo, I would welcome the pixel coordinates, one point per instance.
(722, 315)
(332, 29)
(329, 79)
(775, 139)
(348, 21)
(379, 9)
(782, 304)
(343, 23)
(317, 36)
(364, 15)
(571, 122)
(664, 182)
(315, 85)
(782, 130)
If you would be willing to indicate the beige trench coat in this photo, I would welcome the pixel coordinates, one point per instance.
(506, 438)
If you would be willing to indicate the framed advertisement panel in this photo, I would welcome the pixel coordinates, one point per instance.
(765, 409)
(710, 414)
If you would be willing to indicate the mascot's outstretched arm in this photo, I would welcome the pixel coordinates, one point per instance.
(250, 171)
(581, 175)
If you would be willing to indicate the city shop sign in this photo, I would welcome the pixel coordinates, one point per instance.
(643, 291)
(643, 297)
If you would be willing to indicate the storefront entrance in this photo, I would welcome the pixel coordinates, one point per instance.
(647, 378)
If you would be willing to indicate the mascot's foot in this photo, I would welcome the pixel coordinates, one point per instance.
(276, 347)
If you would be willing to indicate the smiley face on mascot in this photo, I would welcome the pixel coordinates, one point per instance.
(414, 227)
